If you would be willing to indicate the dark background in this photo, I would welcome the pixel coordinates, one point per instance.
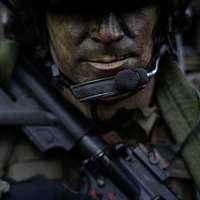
(191, 38)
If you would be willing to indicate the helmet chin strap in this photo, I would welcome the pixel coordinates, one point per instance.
(125, 82)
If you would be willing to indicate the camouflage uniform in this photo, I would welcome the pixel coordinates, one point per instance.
(20, 160)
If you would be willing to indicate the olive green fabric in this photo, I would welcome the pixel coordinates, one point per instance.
(26, 161)
(179, 107)
(8, 57)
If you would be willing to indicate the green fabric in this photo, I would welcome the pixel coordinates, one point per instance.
(8, 57)
(141, 120)
(179, 107)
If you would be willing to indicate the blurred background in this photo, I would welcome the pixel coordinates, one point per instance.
(191, 43)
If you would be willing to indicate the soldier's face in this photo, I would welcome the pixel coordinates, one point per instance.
(93, 45)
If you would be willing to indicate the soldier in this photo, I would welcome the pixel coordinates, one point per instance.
(88, 46)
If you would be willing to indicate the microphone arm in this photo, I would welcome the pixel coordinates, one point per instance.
(126, 81)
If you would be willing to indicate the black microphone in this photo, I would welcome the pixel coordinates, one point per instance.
(124, 81)
(129, 80)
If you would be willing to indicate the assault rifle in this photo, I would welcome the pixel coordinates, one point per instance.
(118, 172)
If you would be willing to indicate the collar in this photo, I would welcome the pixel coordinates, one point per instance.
(125, 121)
(146, 118)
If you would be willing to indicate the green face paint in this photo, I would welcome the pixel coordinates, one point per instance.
(88, 46)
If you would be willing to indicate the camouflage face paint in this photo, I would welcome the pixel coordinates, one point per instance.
(89, 46)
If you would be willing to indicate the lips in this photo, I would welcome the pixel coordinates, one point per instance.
(107, 63)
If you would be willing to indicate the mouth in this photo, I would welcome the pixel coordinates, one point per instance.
(108, 63)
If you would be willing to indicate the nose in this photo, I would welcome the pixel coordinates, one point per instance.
(108, 30)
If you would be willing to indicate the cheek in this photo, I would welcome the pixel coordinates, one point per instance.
(65, 51)
(141, 30)
(146, 39)
(135, 25)
(64, 43)
(141, 26)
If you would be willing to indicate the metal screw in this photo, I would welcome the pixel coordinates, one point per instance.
(153, 158)
(101, 181)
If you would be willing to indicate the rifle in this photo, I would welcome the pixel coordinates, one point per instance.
(117, 172)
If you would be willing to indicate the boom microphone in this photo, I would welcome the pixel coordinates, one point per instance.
(125, 81)
(129, 80)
